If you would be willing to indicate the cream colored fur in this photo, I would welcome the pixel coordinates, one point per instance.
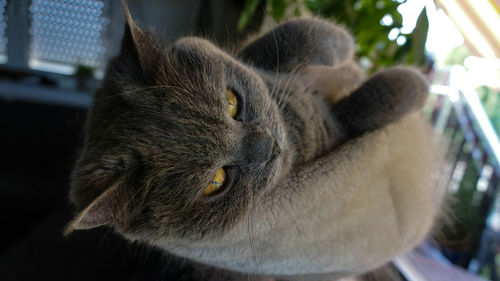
(334, 82)
(350, 211)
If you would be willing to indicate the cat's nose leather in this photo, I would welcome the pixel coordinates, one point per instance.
(260, 147)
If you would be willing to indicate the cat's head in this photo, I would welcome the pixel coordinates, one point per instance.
(159, 132)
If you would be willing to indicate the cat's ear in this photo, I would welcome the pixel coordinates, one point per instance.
(100, 185)
(96, 189)
(98, 213)
(140, 50)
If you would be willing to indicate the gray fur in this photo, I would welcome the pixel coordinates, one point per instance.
(159, 130)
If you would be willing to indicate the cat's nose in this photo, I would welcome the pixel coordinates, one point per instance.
(260, 147)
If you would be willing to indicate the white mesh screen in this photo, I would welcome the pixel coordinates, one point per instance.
(3, 26)
(68, 31)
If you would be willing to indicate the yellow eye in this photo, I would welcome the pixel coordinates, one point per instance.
(216, 183)
(232, 103)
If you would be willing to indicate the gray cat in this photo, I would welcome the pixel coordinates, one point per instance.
(279, 161)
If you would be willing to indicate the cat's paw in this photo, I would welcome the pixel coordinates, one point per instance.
(383, 98)
(401, 89)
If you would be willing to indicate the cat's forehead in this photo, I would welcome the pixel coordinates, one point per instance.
(194, 69)
(194, 54)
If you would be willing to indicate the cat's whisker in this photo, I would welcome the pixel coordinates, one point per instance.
(285, 95)
(296, 70)
(277, 61)
(278, 92)
(276, 73)
(250, 223)
(283, 91)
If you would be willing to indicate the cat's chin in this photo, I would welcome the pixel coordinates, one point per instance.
(278, 169)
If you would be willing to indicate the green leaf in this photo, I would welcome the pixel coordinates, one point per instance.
(278, 8)
(419, 37)
(246, 15)
(362, 19)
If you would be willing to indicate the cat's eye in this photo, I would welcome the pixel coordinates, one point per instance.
(216, 183)
(232, 101)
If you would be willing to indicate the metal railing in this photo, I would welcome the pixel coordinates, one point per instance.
(459, 115)
(473, 168)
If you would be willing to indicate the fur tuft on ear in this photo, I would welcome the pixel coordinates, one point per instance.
(132, 31)
(140, 50)
(99, 186)
(98, 213)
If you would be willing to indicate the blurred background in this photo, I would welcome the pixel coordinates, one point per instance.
(52, 57)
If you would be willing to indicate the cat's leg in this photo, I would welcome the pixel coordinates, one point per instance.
(298, 43)
(382, 99)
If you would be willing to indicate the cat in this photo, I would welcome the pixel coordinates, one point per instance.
(281, 161)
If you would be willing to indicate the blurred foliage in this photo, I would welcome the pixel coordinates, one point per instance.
(277, 9)
(491, 102)
(84, 77)
(84, 71)
(457, 56)
(363, 18)
(247, 13)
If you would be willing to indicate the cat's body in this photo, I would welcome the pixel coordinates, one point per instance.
(320, 183)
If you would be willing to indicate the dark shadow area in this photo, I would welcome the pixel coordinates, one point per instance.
(38, 146)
